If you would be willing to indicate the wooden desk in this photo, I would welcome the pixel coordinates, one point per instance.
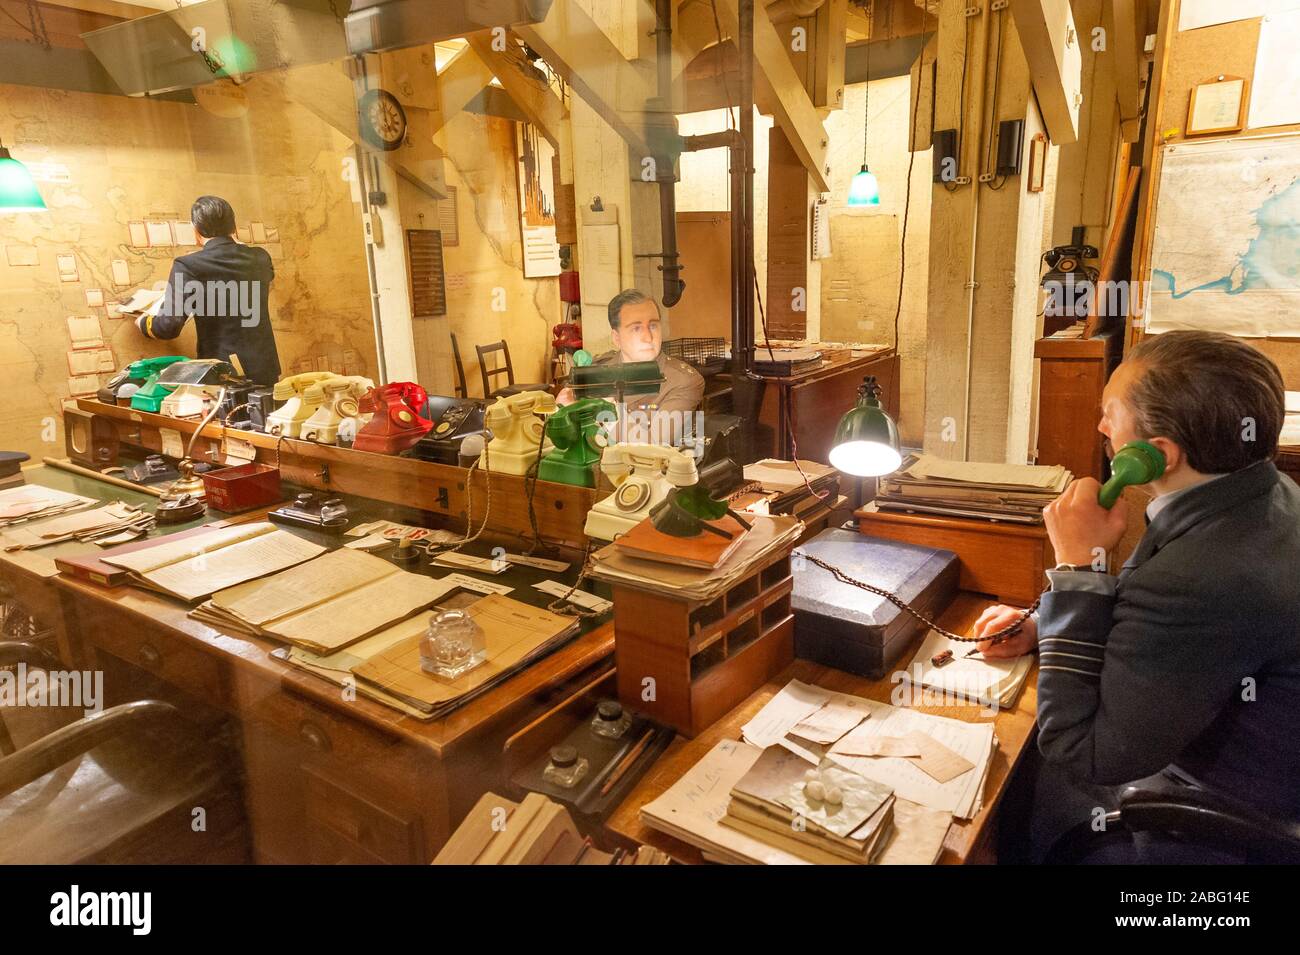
(969, 841)
(27, 577)
(328, 778)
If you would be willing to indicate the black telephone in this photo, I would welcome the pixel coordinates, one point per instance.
(454, 420)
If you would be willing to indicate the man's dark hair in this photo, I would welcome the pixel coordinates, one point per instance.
(212, 216)
(629, 296)
(1215, 396)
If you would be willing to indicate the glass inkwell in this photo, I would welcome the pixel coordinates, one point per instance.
(611, 720)
(452, 646)
(566, 768)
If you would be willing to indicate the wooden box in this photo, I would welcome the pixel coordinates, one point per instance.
(1004, 560)
(686, 663)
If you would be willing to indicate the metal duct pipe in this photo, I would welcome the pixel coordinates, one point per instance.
(665, 172)
(782, 11)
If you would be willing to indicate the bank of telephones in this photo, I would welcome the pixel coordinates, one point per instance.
(517, 428)
(642, 475)
(454, 420)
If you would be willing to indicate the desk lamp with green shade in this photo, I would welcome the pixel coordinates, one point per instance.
(866, 439)
(18, 192)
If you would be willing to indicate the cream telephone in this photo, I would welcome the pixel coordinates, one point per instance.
(516, 432)
(287, 420)
(338, 408)
(642, 475)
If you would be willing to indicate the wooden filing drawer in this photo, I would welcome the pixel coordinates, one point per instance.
(161, 654)
(348, 826)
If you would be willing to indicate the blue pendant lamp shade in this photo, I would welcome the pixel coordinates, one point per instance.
(18, 192)
(866, 439)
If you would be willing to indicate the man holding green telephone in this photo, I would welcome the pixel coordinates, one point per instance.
(1183, 670)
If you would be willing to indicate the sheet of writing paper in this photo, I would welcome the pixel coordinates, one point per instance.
(791, 705)
(170, 552)
(864, 744)
(832, 721)
(936, 759)
(579, 597)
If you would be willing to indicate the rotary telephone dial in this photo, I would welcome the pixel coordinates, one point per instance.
(516, 431)
(642, 475)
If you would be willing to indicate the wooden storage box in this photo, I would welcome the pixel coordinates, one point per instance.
(1004, 560)
(686, 663)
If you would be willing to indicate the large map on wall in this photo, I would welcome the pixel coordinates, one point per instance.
(1226, 251)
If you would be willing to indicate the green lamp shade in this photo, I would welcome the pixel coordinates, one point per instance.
(863, 189)
(866, 441)
(17, 190)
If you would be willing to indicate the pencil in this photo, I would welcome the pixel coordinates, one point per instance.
(626, 762)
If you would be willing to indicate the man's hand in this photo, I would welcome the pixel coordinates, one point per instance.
(994, 619)
(565, 397)
(1081, 530)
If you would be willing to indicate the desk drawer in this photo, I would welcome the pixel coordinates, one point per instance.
(347, 826)
(158, 653)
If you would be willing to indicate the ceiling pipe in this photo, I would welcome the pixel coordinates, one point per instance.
(666, 162)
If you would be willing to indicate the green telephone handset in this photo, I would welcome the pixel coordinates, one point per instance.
(1135, 463)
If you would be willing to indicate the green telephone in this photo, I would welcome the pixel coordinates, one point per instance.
(1135, 463)
(149, 396)
(578, 433)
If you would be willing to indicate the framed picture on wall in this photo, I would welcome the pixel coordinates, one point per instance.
(537, 202)
(1217, 106)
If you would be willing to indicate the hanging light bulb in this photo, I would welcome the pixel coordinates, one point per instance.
(18, 191)
(864, 190)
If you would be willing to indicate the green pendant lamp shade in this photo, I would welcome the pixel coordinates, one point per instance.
(866, 439)
(17, 190)
(863, 188)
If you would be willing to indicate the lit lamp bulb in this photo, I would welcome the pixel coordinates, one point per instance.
(863, 188)
(866, 439)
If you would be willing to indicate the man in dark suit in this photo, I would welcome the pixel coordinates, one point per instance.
(1184, 670)
(225, 288)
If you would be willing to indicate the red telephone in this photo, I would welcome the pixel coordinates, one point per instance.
(396, 424)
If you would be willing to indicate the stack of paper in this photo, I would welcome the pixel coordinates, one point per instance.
(987, 682)
(774, 797)
(193, 568)
(767, 535)
(1004, 492)
(937, 762)
(29, 502)
(111, 524)
(693, 810)
(324, 604)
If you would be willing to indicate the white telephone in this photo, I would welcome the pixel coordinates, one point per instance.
(642, 475)
(516, 430)
(288, 419)
(337, 400)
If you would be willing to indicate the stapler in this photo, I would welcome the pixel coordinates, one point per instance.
(120, 388)
(643, 475)
(517, 432)
(338, 408)
(396, 423)
(287, 420)
(316, 511)
(578, 433)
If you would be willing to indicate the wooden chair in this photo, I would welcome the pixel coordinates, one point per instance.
(117, 786)
(505, 368)
(462, 390)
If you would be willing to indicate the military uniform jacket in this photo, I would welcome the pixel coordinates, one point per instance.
(682, 390)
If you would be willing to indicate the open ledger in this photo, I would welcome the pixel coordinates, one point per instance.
(197, 567)
(324, 604)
